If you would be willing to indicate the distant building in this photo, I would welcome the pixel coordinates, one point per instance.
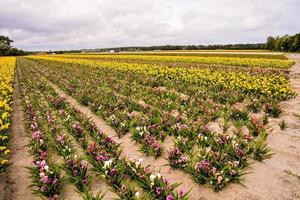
(111, 51)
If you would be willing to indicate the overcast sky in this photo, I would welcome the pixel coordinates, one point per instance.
(77, 24)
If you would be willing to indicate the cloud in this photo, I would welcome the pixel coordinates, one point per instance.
(76, 24)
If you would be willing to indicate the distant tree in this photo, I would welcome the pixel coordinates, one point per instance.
(270, 45)
(284, 43)
(296, 43)
(5, 42)
(6, 48)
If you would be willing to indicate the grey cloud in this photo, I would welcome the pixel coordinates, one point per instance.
(76, 24)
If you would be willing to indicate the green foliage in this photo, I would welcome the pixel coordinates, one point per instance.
(6, 48)
(282, 124)
(284, 43)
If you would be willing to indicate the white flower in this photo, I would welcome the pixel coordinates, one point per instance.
(46, 168)
(42, 174)
(205, 138)
(137, 194)
(158, 175)
(208, 149)
(152, 177)
(234, 143)
(141, 133)
(107, 164)
(141, 160)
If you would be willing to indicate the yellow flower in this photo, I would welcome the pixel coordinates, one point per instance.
(3, 162)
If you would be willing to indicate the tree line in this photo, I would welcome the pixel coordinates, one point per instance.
(286, 43)
(258, 46)
(6, 48)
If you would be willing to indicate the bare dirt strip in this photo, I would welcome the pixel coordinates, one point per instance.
(275, 178)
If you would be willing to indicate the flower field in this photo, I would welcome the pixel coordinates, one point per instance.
(221, 60)
(215, 116)
(7, 65)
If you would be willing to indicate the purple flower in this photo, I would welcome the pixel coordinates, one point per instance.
(239, 152)
(84, 181)
(43, 164)
(113, 172)
(123, 188)
(75, 172)
(170, 197)
(54, 181)
(83, 164)
(43, 189)
(233, 172)
(158, 190)
(36, 135)
(203, 164)
(45, 179)
(55, 197)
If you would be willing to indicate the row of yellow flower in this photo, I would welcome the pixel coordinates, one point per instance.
(242, 62)
(7, 65)
(275, 86)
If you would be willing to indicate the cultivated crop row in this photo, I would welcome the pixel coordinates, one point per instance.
(242, 62)
(7, 66)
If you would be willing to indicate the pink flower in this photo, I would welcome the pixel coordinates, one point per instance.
(43, 189)
(84, 181)
(123, 188)
(233, 172)
(100, 132)
(239, 152)
(83, 164)
(43, 164)
(219, 179)
(203, 164)
(55, 197)
(75, 172)
(62, 112)
(181, 192)
(36, 135)
(166, 180)
(158, 190)
(61, 139)
(45, 179)
(77, 127)
(43, 155)
(170, 197)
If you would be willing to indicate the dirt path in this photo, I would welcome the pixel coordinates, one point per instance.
(15, 184)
